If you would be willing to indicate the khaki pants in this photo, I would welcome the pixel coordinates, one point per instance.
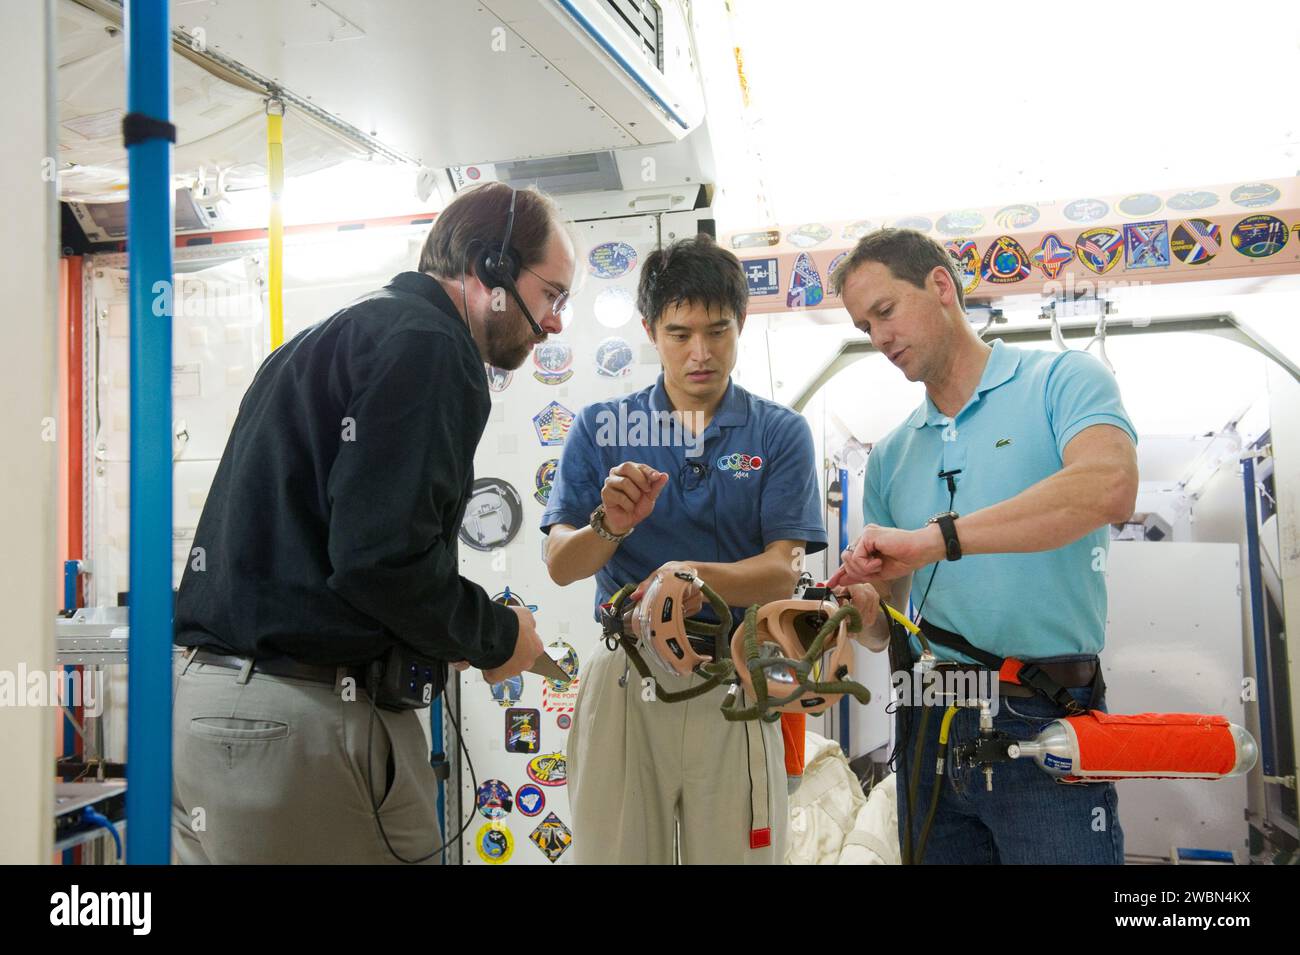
(275, 771)
(653, 782)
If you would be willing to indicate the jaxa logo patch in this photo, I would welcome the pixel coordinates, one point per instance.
(740, 465)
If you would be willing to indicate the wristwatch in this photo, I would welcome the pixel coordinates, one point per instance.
(947, 521)
(597, 524)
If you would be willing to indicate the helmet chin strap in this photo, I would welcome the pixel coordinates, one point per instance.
(766, 706)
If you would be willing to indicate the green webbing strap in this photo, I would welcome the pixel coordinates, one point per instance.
(765, 706)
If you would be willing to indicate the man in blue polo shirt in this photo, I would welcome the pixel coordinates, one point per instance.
(996, 494)
(697, 472)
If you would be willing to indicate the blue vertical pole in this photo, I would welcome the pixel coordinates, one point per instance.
(439, 759)
(71, 570)
(149, 246)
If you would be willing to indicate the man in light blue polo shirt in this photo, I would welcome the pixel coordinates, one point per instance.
(693, 471)
(993, 499)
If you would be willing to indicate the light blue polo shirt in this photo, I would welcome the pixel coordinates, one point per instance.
(750, 479)
(1011, 434)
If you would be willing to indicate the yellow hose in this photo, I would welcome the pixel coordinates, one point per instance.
(275, 230)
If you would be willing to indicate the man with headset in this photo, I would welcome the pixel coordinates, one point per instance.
(998, 491)
(324, 578)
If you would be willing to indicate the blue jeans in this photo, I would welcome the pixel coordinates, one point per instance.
(1028, 818)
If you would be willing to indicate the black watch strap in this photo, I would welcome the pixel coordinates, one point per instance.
(948, 527)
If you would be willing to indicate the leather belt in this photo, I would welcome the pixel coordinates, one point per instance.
(1070, 674)
(280, 666)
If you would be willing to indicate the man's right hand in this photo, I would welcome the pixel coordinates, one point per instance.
(527, 649)
(629, 495)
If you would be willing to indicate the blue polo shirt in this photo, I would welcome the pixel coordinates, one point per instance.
(748, 480)
(1010, 435)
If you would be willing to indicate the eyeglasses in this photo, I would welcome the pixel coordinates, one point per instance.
(561, 295)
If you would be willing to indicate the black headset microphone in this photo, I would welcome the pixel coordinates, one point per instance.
(499, 266)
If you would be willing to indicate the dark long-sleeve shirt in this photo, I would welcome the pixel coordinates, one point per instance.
(330, 531)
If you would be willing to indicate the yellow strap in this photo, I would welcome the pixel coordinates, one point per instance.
(275, 230)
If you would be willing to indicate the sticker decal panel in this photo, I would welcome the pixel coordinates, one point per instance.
(808, 235)
(552, 424)
(548, 769)
(1256, 195)
(963, 222)
(494, 799)
(1086, 210)
(1004, 262)
(1196, 241)
(830, 272)
(493, 515)
(611, 260)
(966, 257)
(508, 691)
(552, 837)
(530, 800)
(1192, 201)
(494, 843)
(1018, 216)
(1260, 236)
(544, 479)
(1140, 204)
(1146, 245)
(614, 358)
(523, 731)
(762, 275)
(554, 361)
(805, 284)
(1052, 255)
(1099, 248)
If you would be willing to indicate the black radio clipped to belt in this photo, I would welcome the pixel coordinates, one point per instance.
(403, 680)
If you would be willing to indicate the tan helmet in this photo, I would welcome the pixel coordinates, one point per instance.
(804, 651)
(658, 623)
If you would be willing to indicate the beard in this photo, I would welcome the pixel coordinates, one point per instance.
(510, 338)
